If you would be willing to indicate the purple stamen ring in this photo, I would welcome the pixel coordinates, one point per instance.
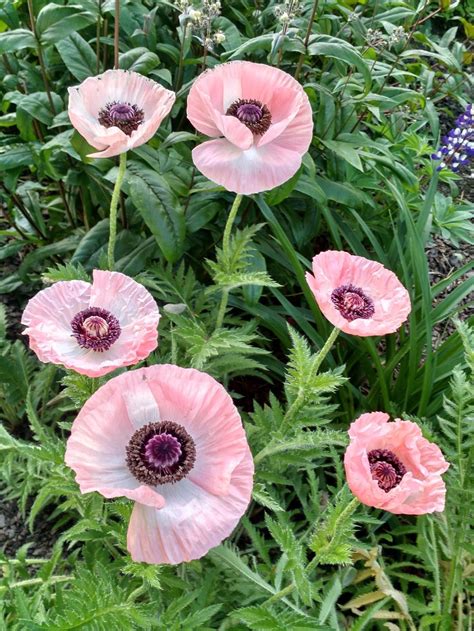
(253, 114)
(386, 468)
(95, 329)
(125, 116)
(159, 453)
(352, 302)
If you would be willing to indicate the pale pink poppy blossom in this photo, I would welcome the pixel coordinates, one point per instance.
(170, 439)
(358, 296)
(93, 328)
(118, 110)
(389, 465)
(261, 121)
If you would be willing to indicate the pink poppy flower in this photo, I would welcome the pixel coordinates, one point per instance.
(261, 120)
(170, 439)
(391, 466)
(93, 328)
(358, 296)
(118, 110)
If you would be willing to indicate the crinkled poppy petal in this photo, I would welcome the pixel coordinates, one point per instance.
(141, 404)
(129, 301)
(85, 122)
(160, 103)
(390, 299)
(420, 489)
(295, 130)
(95, 93)
(236, 132)
(202, 406)
(192, 521)
(245, 172)
(145, 495)
(96, 448)
(114, 149)
(246, 163)
(201, 112)
(425, 497)
(49, 314)
(57, 305)
(369, 424)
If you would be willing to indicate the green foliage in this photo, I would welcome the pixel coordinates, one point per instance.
(303, 556)
(80, 388)
(223, 351)
(233, 268)
(66, 272)
(94, 601)
(454, 222)
(304, 386)
(331, 540)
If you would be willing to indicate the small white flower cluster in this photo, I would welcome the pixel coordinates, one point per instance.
(397, 35)
(287, 11)
(200, 18)
(376, 39)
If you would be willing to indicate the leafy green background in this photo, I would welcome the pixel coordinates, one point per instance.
(299, 559)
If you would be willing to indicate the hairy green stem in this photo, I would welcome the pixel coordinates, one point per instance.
(222, 308)
(326, 348)
(347, 512)
(113, 210)
(225, 252)
(437, 594)
(31, 582)
(350, 508)
(300, 397)
(229, 223)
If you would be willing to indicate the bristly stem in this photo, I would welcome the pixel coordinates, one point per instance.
(300, 397)
(325, 349)
(225, 252)
(113, 210)
(349, 510)
(230, 222)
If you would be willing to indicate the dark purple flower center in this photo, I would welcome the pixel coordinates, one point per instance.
(253, 114)
(352, 302)
(386, 468)
(95, 329)
(159, 453)
(163, 450)
(125, 116)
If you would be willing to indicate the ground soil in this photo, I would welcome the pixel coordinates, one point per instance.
(14, 532)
